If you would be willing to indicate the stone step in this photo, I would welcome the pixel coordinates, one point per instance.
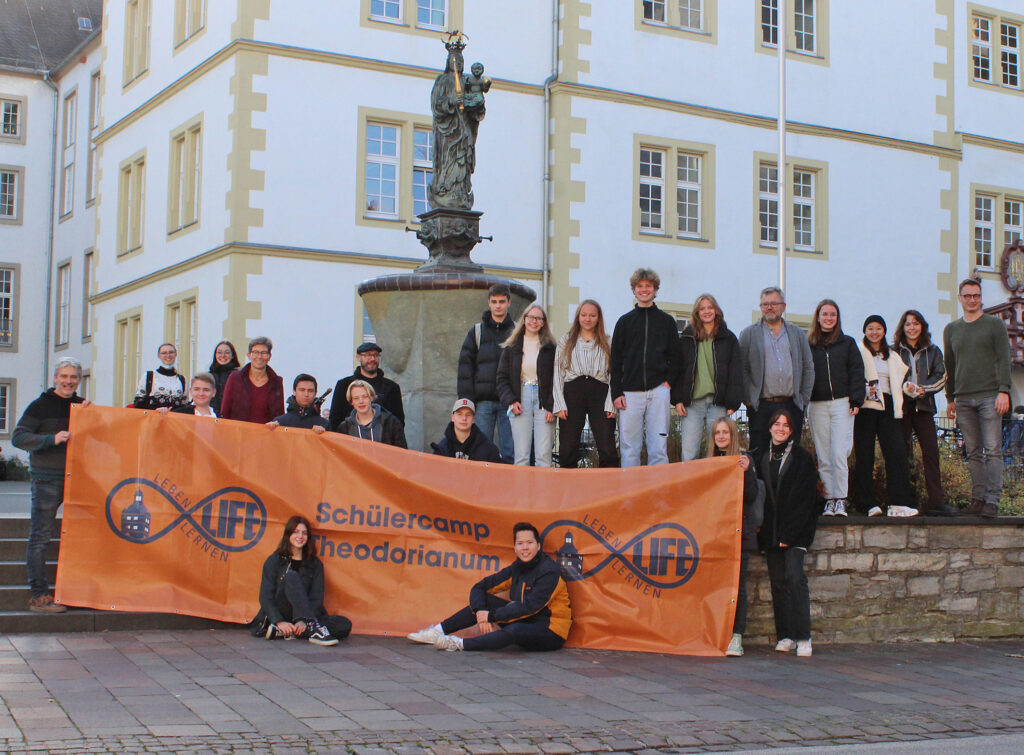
(18, 526)
(90, 620)
(13, 549)
(16, 573)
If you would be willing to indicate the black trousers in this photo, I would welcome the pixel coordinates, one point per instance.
(868, 425)
(584, 398)
(739, 624)
(758, 419)
(293, 602)
(526, 635)
(922, 424)
(791, 598)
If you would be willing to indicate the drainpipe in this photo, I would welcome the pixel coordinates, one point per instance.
(545, 233)
(49, 239)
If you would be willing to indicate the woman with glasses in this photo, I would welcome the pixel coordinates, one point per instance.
(225, 361)
(525, 379)
(255, 392)
(164, 386)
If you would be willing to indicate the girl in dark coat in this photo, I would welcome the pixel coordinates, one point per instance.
(926, 377)
(525, 378)
(225, 361)
(725, 441)
(292, 592)
(790, 520)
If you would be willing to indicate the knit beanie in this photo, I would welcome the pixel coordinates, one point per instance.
(874, 318)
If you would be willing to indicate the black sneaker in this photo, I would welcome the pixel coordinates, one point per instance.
(273, 633)
(319, 635)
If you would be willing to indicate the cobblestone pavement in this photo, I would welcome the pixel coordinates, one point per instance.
(224, 691)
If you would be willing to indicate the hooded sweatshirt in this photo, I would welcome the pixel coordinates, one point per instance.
(383, 428)
(475, 448)
(305, 417)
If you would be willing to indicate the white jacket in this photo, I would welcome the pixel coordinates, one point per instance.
(897, 374)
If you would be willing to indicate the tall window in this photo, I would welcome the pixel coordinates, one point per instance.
(688, 194)
(128, 357)
(136, 39)
(382, 166)
(770, 22)
(181, 330)
(684, 15)
(803, 210)
(432, 13)
(94, 129)
(981, 48)
(7, 284)
(10, 119)
(768, 204)
(805, 205)
(803, 24)
(87, 276)
(131, 204)
(654, 10)
(422, 169)
(67, 174)
(10, 194)
(1013, 221)
(189, 19)
(388, 10)
(806, 26)
(1009, 54)
(5, 408)
(63, 305)
(185, 175)
(671, 191)
(652, 190)
(995, 50)
(984, 230)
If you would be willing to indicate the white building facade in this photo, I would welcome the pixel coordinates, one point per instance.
(255, 161)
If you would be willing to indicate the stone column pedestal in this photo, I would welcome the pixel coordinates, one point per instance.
(420, 320)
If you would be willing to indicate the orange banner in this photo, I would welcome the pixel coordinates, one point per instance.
(177, 514)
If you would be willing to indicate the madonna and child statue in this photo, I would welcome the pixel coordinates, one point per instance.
(450, 228)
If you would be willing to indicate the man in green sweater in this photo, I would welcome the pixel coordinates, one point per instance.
(977, 352)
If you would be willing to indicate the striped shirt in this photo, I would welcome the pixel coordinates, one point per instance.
(588, 360)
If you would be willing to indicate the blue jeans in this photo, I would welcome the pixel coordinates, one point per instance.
(491, 414)
(982, 428)
(645, 418)
(47, 495)
(531, 430)
(701, 415)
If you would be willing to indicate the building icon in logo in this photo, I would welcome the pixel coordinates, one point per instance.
(135, 519)
(570, 561)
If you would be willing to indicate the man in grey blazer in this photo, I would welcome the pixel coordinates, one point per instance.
(778, 370)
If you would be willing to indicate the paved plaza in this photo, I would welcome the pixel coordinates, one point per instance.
(224, 691)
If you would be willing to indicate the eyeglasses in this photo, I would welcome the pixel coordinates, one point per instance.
(770, 304)
(259, 353)
(534, 318)
(970, 296)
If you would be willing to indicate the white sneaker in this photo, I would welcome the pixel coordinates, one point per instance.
(428, 636)
(784, 646)
(901, 511)
(839, 507)
(875, 511)
(735, 648)
(803, 649)
(448, 642)
(830, 508)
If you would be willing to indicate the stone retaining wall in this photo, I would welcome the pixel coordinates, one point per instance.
(921, 581)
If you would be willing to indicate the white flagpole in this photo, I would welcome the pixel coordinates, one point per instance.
(783, 183)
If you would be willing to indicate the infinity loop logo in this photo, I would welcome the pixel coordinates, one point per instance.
(663, 556)
(232, 519)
